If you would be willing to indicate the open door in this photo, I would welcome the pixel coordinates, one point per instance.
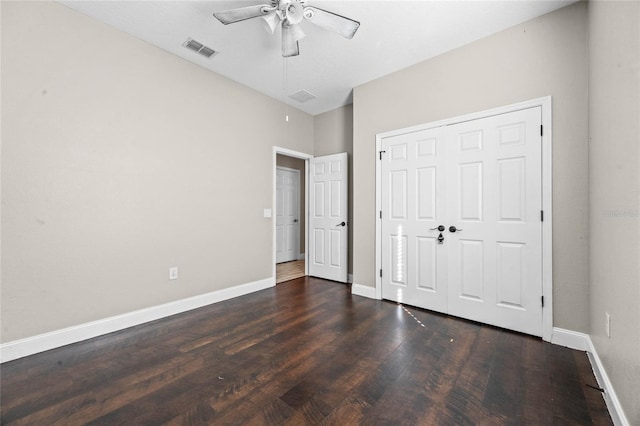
(328, 234)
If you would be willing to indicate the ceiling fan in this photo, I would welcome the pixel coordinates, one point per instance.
(288, 14)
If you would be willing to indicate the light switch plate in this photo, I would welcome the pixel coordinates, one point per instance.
(267, 212)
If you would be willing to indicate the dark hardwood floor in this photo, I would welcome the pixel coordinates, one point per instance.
(304, 352)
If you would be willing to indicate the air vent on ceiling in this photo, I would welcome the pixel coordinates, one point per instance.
(302, 96)
(200, 48)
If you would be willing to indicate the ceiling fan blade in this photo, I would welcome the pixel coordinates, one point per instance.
(289, 42)
(243, 13)
(271, 21)
(339, 24)
(296, 32)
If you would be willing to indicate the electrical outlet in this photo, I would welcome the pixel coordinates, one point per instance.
(607, 323)
(173, 273)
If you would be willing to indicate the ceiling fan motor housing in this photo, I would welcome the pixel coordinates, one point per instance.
(292, 11)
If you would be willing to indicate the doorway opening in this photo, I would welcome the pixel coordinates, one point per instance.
(290, 214)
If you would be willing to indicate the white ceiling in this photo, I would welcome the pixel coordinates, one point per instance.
(392, 35)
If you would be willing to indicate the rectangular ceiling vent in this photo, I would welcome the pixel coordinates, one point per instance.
(200, 48)
(302, 96)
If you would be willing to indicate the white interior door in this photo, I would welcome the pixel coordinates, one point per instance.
(494, 188)
(287, 214)
(413, 205)
(328, 215)
(482, 177)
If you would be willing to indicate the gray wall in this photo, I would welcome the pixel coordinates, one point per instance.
(120, 160)
(297, 164)
(333, 134)
(614, 175)
(545, 56)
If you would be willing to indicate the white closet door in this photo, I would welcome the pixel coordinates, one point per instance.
(495, 195)
(482, 177)
(413, 204)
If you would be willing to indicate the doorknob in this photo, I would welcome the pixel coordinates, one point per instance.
(454, 229)
(342, 224)
(439, 228)
(295, 220)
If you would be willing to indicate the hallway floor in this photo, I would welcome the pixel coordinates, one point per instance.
(287, 271)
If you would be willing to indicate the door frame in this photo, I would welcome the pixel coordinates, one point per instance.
(297, 201)
(547, 195)
(306, 157)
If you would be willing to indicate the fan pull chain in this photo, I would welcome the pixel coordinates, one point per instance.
(284, 88)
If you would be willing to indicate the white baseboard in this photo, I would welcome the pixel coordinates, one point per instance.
(610, 398)
(582, 342)
(363, 290)
(55, 339)
(569, 339)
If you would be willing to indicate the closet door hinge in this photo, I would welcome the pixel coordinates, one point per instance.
(380, 153)
(541, 215)
(380, 273)
(380, 214)
(542, 300)
(541, 131)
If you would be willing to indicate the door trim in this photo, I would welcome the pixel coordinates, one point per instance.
(306, 157)
(297, 201)
(547, 228)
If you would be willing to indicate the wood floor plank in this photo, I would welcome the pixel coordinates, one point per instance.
(304, 352)
(350, 412)
(537, 404)
(592, 395)
(289, 270)
(467, 395)
(239, 377)
(503, 393)
(398, 402)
